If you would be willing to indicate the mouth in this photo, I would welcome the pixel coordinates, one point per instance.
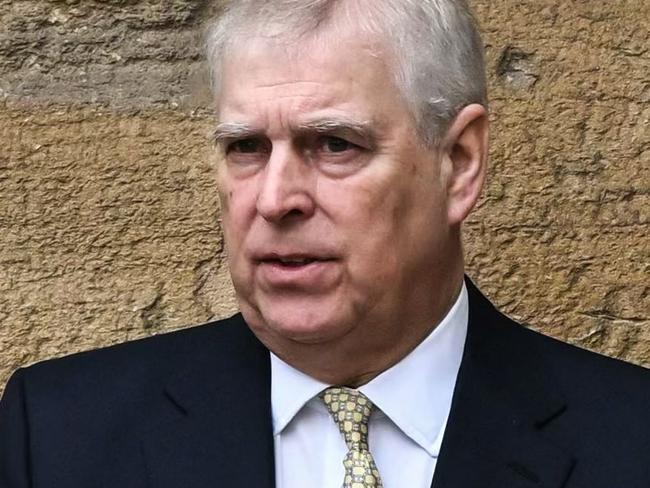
(290, 260)
(293, 262)
(297, 270)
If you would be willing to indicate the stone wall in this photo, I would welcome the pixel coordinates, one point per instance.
(109, 222)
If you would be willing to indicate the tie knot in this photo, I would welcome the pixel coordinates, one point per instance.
(351, 411)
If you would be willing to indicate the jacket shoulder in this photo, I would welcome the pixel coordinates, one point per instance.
(131, 369)
(575, 365)
(569, 364)
(598, 390)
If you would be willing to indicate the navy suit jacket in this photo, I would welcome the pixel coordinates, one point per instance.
(192, 409)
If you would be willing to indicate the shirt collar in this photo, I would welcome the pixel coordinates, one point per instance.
(290, 391)
(415, 393)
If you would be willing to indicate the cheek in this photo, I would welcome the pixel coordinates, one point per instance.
(236, 225)
(369, 213)
(223, 191)
(238, 200)
(384, 214)
(381, 205)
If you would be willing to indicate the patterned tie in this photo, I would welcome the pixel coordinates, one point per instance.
(351, 412)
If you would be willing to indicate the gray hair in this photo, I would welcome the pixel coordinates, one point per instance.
(437, 49)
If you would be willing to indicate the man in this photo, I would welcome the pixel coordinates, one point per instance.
(354, 140)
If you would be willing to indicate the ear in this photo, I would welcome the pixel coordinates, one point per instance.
(465, 150)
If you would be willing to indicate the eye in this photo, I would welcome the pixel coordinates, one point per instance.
(246, 146)
(337, 156)
(333, 144)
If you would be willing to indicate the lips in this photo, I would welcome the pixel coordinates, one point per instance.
(292, 258)
(296, 270)
(293, 261)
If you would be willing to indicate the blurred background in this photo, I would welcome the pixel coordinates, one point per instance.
(109, 219)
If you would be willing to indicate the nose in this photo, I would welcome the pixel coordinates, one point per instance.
(285, 192)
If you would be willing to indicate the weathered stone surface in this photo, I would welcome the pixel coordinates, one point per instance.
(108, 211)
(109, 230)
(124, 55)
(560, 240)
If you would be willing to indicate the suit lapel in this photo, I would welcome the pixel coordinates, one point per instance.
(216, 428)
(503, 400)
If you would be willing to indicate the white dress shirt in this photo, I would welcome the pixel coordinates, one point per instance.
(412, 400)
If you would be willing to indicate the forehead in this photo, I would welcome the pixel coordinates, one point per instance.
(336, 71)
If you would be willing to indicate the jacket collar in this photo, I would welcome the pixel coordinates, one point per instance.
(505, 396)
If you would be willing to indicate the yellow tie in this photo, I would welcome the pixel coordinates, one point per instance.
(351, 411)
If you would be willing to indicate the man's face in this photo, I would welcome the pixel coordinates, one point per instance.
(333, 212)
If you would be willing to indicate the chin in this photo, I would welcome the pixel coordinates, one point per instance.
(299, 323)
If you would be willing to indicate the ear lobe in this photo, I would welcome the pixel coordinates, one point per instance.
(465, 146)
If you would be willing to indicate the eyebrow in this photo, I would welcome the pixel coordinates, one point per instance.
(340, 125)
(227, 131)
